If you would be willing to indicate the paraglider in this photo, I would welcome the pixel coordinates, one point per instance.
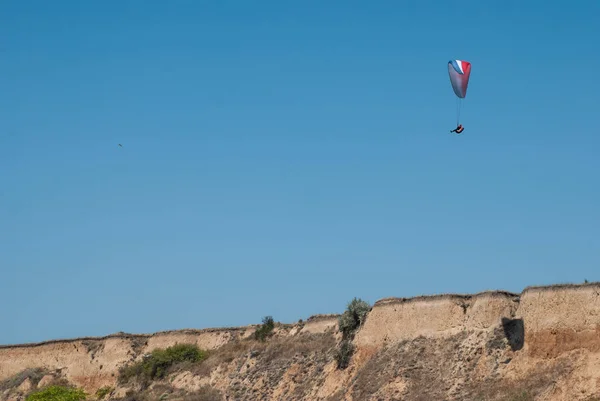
(459, 72)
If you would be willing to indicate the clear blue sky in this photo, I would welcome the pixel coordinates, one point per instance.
(280, 159)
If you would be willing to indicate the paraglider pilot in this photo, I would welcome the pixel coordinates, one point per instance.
(458, 129)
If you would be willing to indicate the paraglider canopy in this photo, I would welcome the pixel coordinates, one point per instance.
(460, 72)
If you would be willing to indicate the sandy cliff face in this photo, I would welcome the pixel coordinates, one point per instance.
(396, 319)
(560, 319)
(94, 362)
(447, 347)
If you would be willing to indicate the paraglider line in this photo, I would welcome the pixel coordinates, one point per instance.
(458, 104)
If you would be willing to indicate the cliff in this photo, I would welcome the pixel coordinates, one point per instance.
(543, 344)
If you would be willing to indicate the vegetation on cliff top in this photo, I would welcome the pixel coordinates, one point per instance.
(266, 329)
(349, 322)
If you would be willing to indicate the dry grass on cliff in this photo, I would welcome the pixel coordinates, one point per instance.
(423, 364)
(166, 392)
(528, 388)
(34, 375)
(296, 362)
(276, 349)
(252, 361)
(458, 366)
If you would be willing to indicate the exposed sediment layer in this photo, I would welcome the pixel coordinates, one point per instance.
(560, 319)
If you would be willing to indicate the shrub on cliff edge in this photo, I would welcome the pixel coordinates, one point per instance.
(265, 330)
(353, 317)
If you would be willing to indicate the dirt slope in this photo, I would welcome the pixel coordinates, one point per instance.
(488, 346)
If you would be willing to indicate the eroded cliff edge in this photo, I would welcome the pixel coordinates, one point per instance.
(545, 340)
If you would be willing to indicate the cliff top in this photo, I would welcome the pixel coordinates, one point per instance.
(321, 317)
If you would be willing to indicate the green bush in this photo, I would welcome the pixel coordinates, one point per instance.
(353, 317)
(180, 353)
(344, 353)
(265, 330)
(157, 364)
(57, 393)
